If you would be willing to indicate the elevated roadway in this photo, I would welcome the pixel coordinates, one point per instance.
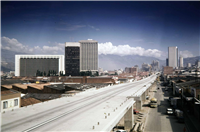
(97, 110)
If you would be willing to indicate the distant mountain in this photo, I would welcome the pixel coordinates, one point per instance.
(8, 60)
(111, 62)
(191, 60)
(107, 62)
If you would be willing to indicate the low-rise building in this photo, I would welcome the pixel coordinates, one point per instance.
(167, 70)
(10, 99)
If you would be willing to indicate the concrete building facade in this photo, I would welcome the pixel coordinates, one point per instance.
(10, 99)
(89, 55)
(181, 62)
(188, 64)
(27, 65)
(173, 57)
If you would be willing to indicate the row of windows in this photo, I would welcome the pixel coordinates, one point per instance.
(5, 103)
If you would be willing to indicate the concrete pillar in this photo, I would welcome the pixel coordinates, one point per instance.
(129, 119)
(138, 103)
(143, 96)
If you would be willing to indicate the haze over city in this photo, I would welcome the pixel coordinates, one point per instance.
(121, 28)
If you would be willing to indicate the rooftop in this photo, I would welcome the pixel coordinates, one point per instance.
(11, 81)
(86, 41)
(57, 86)
(39, 86)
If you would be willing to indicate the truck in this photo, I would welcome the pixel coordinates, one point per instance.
(153, 103)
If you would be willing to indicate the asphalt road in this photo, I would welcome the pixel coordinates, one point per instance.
(158, 120)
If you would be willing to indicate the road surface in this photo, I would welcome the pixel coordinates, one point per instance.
(158, 120)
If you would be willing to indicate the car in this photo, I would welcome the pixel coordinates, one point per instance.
(158, 88)
(169, 111)
(135, 111)
(176, 111)
(120, 131)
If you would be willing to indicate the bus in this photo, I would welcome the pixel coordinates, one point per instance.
(153, 103)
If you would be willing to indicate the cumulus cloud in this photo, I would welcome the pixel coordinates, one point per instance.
(14, 45)
(103, 48)
(186, 54)
(109, 48)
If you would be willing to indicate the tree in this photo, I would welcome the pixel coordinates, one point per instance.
(97, 73)
(48, 73)
(116, 73)
(44, 73)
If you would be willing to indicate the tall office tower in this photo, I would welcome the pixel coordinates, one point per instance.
(72, 58)
(28, 65)
(188, 64)
(167, 62)
(81, 56)
(89, 55)
(155, 65)
(181, 62)
(173, 57)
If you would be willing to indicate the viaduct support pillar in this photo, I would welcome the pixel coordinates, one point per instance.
(129, 119)
(138, 103)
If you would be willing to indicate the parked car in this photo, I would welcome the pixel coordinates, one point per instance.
(169, 111)
(176, 111)
(135, 111)
(120, 131)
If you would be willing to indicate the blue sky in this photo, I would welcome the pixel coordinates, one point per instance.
(141, 28)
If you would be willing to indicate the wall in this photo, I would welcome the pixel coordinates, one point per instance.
(10, 98)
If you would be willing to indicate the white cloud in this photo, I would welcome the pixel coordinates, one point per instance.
(109, 48)
(14, 45)
(58, 48)
(186, 54)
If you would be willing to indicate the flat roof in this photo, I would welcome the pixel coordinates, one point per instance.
(7, 86)
(22, 86)
(6, 92)
(57, 86)
(39, 86)
(86, 41)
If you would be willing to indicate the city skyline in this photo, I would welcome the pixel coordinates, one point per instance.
(121, 28)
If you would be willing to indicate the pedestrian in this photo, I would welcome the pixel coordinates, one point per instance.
(184, 129)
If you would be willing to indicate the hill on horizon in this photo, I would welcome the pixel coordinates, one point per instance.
(107, 62)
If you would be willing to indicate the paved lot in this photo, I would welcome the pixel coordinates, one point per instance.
(158, 120)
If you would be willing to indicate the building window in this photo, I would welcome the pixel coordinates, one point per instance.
(5, 104)
(16, 102)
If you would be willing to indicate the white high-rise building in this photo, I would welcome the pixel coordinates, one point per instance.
(181, 62)
(88, 55)
(189, 65)
(173, 57)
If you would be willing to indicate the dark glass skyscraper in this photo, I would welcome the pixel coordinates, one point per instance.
(72, 59)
